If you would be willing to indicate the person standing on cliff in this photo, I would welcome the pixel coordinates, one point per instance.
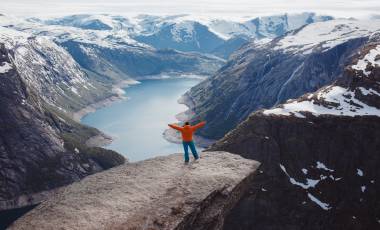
(187, 138)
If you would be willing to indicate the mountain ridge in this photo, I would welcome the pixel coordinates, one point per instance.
(261, 75)
(321, 155)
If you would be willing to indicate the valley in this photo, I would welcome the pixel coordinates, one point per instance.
(142, 118)
(292, 104)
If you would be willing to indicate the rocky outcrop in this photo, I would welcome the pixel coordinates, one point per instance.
(319, 156)
(159, 193)
(261, 75)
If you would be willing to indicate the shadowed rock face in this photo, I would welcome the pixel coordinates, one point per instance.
(319, 162)
(31, 151)
(159, 193)
(343, 145)
(35, 152)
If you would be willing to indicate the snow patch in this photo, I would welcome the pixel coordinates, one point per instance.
(366, 92)
(5, 67)
(320, 165)
(324, 206)
(183, 31)
(342, 102)
(369, 59)
(359, 172)
(74, 90)
(325, 35)
(310, 183)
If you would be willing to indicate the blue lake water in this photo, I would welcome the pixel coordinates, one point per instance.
(137, 124)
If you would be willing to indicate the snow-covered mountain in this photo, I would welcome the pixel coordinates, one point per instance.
(261, 75)
(210, 35)
(50, 71)
(113, 55)
(189, 32)
(356, 95)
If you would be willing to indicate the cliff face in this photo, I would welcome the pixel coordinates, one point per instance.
(261, 75)
(294, 190)
(23, 127)
(37, 147)
(50, 71)
(159, 193)
(319, 156)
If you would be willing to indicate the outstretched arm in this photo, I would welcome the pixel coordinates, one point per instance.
(175, 127)
(199, 125)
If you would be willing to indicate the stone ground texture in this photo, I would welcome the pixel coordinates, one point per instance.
(158, 193)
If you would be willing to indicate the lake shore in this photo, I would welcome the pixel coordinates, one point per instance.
(102, 139)
(119, 94)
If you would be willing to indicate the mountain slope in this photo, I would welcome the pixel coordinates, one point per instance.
(184, 36)
(112, 55)
(318, 153)
(41, 148)
(51, 71)
(261, 75)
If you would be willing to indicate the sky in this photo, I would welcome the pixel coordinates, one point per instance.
(227, 8)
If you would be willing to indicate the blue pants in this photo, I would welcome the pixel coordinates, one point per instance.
(186, 145)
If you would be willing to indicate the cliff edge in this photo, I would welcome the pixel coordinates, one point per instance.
(159, 193)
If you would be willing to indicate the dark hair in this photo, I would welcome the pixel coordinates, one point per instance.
(187, 123)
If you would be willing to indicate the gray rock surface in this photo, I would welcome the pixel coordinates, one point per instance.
(159, 193)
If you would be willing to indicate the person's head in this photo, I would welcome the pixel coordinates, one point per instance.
(187, 123)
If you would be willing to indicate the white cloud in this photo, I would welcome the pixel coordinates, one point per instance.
(237, 8)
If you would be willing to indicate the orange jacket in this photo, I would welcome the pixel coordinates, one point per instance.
(187, 130)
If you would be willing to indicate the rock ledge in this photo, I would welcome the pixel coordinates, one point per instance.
(159, 193)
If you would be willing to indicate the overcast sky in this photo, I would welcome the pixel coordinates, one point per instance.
(236, 8)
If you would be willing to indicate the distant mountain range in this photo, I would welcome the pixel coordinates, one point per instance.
(186, 32)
